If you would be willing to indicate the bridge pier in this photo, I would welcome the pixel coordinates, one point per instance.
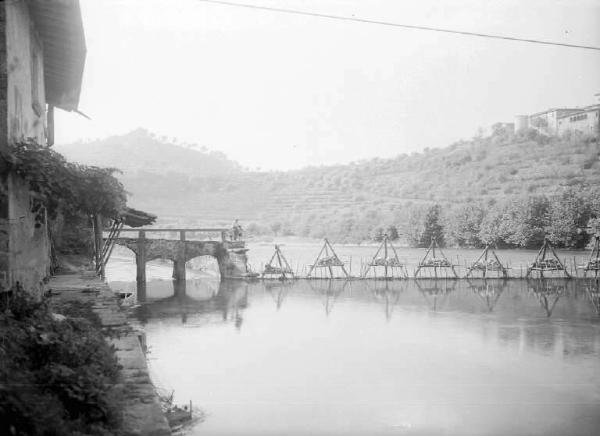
(140, 262)
(180, 259)
(179, 270)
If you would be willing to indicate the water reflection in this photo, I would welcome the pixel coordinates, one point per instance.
(235, 296)
(593, 293)
(434, 290)
(445, 356)
(548, 292)
(387, 292)
(279, 291)
(489, 291)
(229, 298)
(329, 290)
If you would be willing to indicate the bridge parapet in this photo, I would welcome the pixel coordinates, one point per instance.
(221, 232)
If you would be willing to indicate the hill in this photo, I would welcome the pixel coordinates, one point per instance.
(205, 188)
(141, 151)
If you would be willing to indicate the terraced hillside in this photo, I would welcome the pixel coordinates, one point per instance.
(192, 186)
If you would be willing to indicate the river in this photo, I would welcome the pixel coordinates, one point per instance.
(373, 357)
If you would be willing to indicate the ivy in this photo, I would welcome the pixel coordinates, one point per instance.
(58, 183)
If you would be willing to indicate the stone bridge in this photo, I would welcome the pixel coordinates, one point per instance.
(230, 255)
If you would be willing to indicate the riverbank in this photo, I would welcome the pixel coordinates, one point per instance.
(142, 414)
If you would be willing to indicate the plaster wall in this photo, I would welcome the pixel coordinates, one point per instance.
(3, 143)
(29, 246)
(588, 122)
(26, 101)
(547, 122)
(24, 243)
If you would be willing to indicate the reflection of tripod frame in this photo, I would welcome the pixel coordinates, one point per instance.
(329, 292)
(488, 293)
(278, 291)
(543, 289)
(593, 292)
(436, 291)
(390, 296)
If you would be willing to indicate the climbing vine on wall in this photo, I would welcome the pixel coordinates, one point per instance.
(58, 183)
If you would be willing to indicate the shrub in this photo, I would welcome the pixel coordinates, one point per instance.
(55, 376)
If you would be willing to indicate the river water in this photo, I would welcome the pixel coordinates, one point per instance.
(372, 357)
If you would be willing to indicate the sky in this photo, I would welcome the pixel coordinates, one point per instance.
(280, 91)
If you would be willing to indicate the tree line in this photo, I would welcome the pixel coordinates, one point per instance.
(569, 219)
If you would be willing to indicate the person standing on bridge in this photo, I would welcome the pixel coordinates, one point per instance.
(237, 230)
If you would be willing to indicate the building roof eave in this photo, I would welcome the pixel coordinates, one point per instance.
(60, 28)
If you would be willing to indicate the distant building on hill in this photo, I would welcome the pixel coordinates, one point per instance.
(586, 121)
(557, 121)
(521, 122)
(546, 122)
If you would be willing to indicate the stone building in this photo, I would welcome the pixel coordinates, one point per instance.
(555, 122)
(586, 120)
(42, 56)
(546, 122)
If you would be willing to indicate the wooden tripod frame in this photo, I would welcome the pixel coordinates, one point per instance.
(594, 261)
(541, 257)
(385, 245)
(283, 265)
(485, 255)
(326, 249)
(432, 247)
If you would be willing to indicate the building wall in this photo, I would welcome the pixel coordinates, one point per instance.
(26, 100)
(3, 84)
(29, 245)
(547, 122)
(586, 122)
(521, 122)
(3, 144)
(24, 246)
(544, 122)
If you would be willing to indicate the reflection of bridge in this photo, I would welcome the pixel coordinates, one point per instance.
(228, 298)
(230, 255)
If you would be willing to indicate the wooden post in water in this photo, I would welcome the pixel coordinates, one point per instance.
(350, 266)
(385, 255)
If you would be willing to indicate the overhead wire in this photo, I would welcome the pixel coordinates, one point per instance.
(400, 25)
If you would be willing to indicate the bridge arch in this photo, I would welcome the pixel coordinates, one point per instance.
(230, 255)
(205, 263)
